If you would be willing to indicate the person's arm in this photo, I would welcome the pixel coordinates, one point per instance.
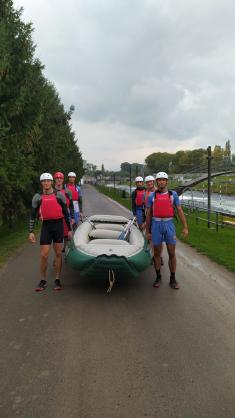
(71, 208)
(80, 199)
(149, 215)
(62, 201)
(36, 201)
(181, 214)
(183, 221)
(133, 203)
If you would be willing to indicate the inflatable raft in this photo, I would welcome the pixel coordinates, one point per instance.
(101, 245)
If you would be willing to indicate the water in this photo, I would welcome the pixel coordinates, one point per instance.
(220, 202)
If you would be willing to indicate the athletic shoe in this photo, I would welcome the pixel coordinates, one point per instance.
(157, 282)
(174, 284)
(41, 286)
(58, 285)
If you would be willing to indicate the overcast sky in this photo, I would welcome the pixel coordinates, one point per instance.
(144, 75)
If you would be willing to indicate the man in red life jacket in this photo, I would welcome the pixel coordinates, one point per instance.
(52, 208)
(76, 196)
(59, 180)
(160, 214)
(137, 198)
(150, 188)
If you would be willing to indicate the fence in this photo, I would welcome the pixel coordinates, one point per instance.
(212, 217)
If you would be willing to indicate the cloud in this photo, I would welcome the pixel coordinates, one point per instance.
(157, 74)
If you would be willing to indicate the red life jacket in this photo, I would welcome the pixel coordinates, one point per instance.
(146, 196)
(66, 197)
(163, 205)
(139, 197)
(50, 208)
(73, 188)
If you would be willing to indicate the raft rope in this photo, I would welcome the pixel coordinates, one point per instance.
(112, 279)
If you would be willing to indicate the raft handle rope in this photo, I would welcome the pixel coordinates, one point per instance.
(112, 279)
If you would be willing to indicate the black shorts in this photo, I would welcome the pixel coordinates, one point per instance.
(52, 230)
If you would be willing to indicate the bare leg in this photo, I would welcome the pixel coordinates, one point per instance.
(157, 256)
(44, 253)
(172, 257)
(172, 265)
(65, 243)
(58, 258)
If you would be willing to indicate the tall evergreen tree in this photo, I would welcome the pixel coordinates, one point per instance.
(35, 134)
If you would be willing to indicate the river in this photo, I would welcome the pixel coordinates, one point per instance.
(219, 202)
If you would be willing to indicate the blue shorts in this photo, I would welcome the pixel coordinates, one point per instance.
(140, 215)
(163, 231)
(76, 217)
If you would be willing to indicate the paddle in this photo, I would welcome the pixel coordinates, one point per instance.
(125, 233)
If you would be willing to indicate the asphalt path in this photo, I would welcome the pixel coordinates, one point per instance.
(137, 352)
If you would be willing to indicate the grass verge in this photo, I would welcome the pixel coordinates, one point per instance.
(115, 195)
(11, 239)
(218, 246)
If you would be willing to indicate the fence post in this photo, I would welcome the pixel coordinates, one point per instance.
(217, 221)
(196, 214)
(130, 181)
(209, 158)
(114, 183)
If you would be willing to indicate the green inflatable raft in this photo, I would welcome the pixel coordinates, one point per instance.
(108, 243)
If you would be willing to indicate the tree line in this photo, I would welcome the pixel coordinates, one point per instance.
(35, 130)
(190, 160)
(183, 161)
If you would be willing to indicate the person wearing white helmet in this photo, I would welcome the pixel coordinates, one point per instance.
(59, 187)
(137, 199)
(160, 226)
(150, 188)
(51, 207)
(76, 196)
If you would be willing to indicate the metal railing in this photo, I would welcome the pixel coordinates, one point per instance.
(213, 217)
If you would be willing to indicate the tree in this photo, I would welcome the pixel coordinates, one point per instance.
(227, 151)
(125, 169)
(35, 134)
(158, 161)
(218, 155)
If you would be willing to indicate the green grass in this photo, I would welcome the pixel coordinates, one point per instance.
(219, 246)
(115, 195)
(11, 239)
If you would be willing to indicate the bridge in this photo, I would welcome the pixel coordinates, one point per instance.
(181, 189)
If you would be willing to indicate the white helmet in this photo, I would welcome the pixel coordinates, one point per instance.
(161, 175)
(149, 178)
(46, 176)
(139, 178)
(72, 174)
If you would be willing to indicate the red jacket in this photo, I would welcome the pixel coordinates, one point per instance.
(163, 205)
(50, 208)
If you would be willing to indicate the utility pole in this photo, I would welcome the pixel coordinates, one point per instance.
(114, 182)
(130, 181)
(209, 159)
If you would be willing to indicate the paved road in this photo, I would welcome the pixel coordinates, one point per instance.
(139, 352)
